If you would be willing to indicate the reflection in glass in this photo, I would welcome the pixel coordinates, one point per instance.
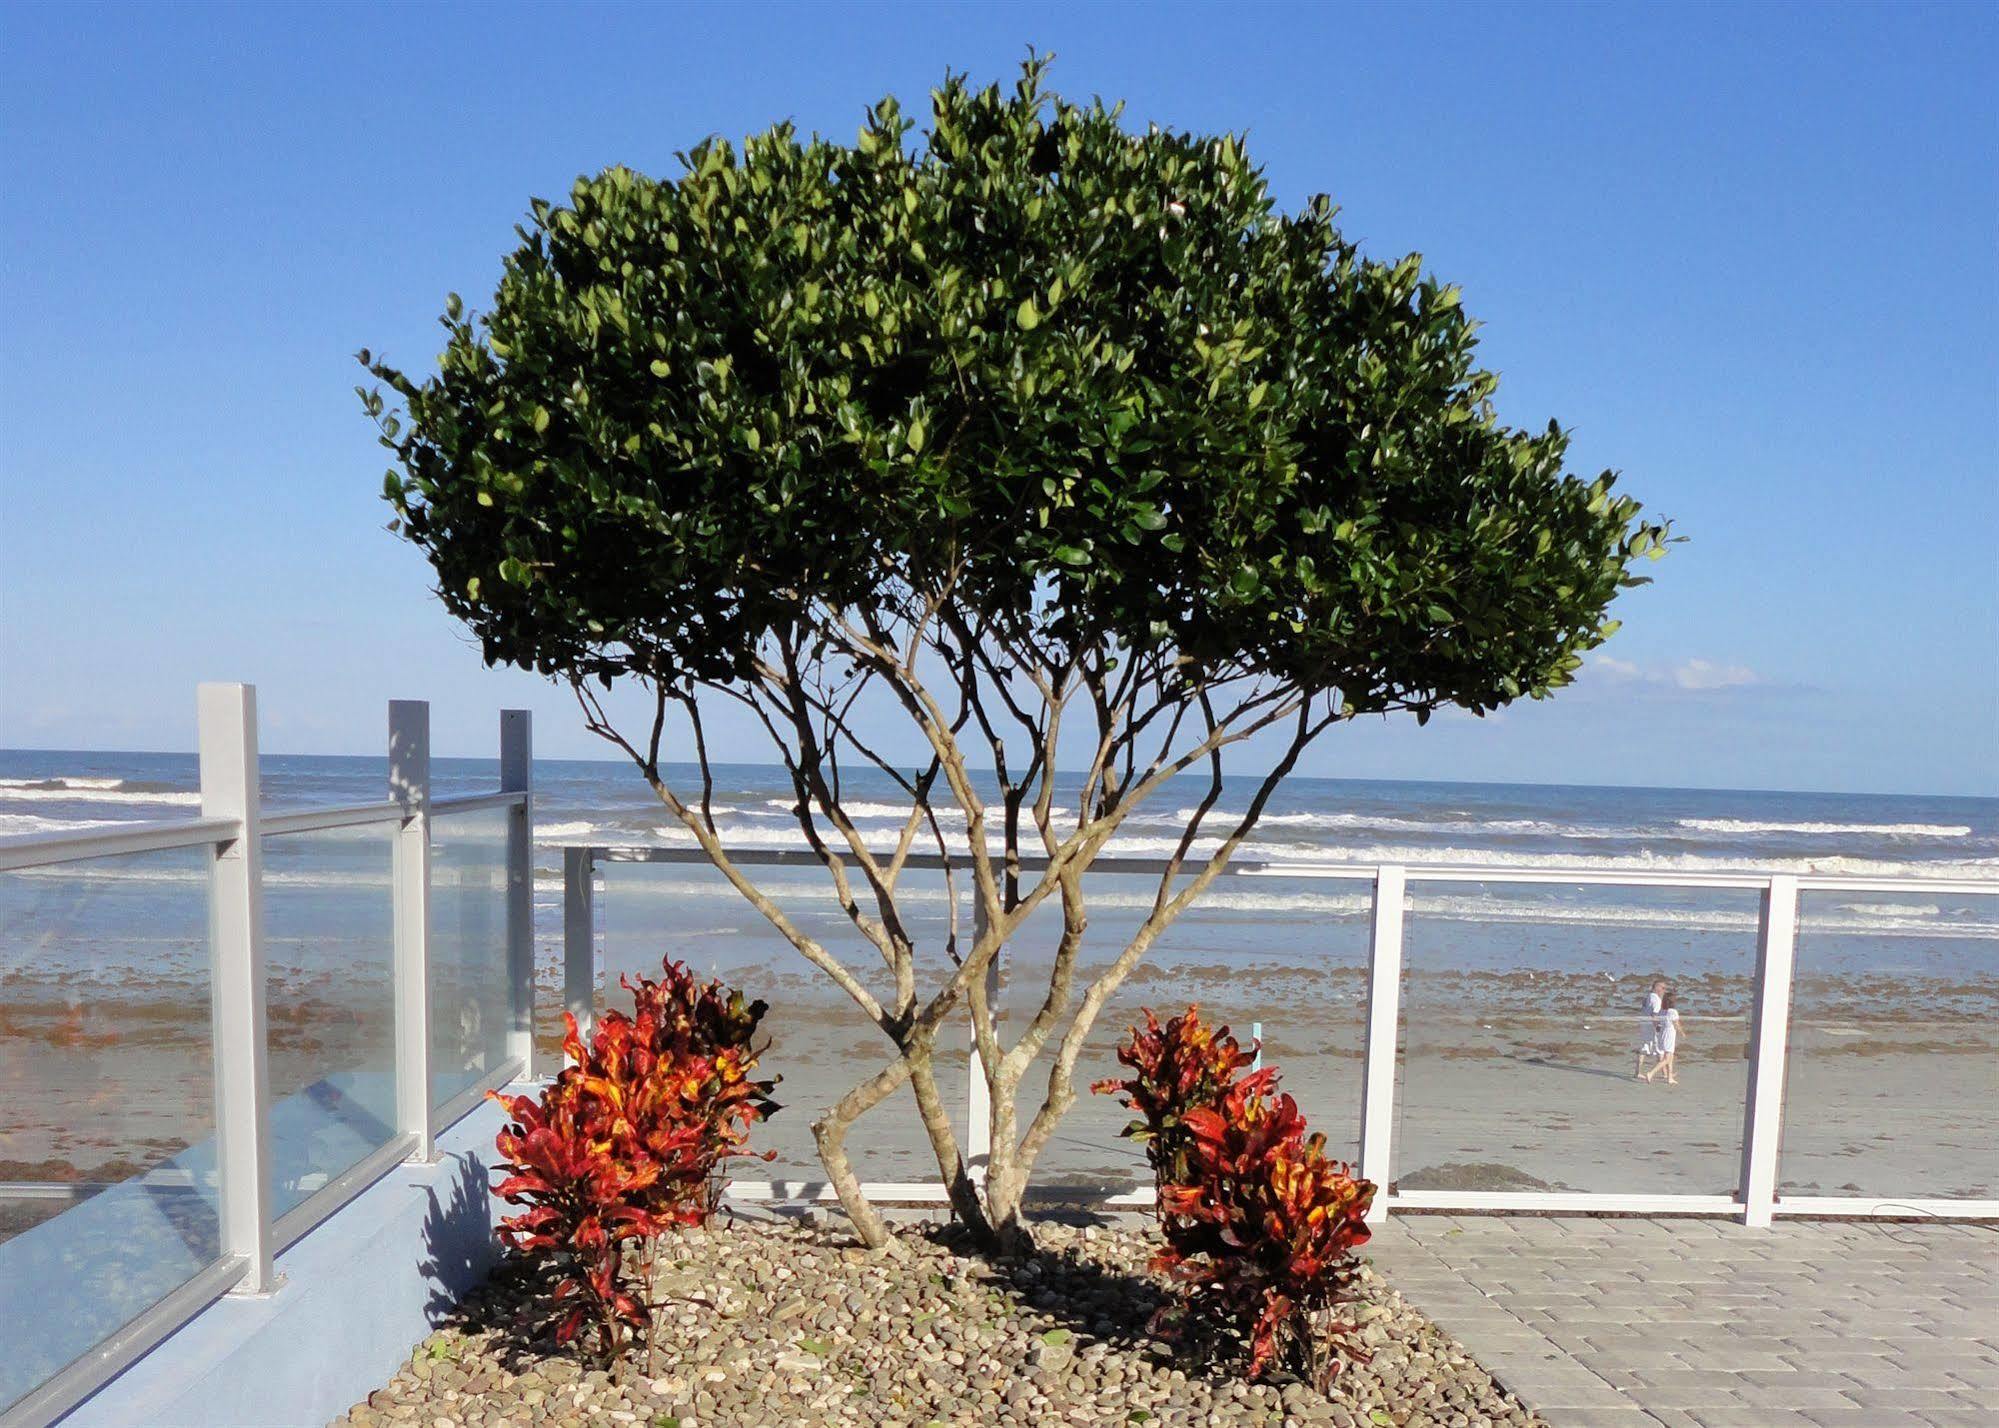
(468, 949)
(107, 1126)
(329, 949)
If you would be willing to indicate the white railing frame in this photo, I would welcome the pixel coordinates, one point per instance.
(1756, 1201)
(409, 786)
(232, 827)
(237, 982)
(1384, 1023)
(517, 782)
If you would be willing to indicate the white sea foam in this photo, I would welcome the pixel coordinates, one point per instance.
(1884, 830)
(1892, 909)
(1530, 907)
(862, 811)
(1499, 859)
(580, 831)
(65, 789)
(14, 824)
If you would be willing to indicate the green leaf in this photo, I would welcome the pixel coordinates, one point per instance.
(1055, 1338)
(818, 1348)
(660, 367)
(1070, 555)
(541, 419)
(916, 434)
(1028, 316)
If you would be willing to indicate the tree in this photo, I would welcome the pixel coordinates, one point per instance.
(1049, 435)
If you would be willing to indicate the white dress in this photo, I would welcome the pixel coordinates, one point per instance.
(1650, 1045)
(1669, 1031)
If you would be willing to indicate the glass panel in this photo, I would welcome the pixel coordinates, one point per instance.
(1892, 1077)
(329, 946)
(820, 1042)
(1523, 1015)
(107, 1152)
(468, 949)
(1289, 953)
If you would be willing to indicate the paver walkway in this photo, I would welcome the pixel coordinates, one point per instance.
(1682, 1322)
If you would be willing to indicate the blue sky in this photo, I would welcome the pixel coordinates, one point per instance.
(1747, 253)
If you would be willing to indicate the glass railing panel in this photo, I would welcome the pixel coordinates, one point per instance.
(820, 1042)
(469, 998)
(1523, 1015)
(107, 1151)
(329, 947)
(1289, 953)
(1892, 1074)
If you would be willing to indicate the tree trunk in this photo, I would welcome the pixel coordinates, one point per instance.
(829, 1132)
(958, 1183)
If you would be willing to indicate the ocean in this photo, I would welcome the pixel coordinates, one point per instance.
(1894, 1060)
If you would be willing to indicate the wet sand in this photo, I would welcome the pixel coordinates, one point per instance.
(1504, 1080)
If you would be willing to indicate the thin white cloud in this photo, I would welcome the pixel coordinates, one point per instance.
(1693, 674)
(1706, 674)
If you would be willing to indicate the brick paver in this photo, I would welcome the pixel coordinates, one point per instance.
(1707, 1324)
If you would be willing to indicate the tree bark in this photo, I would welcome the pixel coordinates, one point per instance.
(829, 1132)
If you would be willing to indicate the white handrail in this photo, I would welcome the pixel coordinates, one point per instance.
(316, 820)
(35, 850)
(1751, 879)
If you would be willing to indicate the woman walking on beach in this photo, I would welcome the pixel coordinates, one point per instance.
(1669, 1040)
(1649, 1042)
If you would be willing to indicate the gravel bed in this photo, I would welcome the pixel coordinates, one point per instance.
(786, 1323)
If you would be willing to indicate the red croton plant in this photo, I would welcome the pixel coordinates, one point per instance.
(1260, 1227)
(627, 1142)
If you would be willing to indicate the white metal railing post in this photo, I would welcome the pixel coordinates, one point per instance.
(517, 776)
(1769, 1034)
(227, 716)
(409, 785)
(579, 937)
(1384, 1006)
(978, 1095)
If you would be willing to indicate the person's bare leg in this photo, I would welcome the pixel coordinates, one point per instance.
(1672, 1071)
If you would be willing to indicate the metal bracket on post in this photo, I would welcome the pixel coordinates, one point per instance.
(1769, 1034)
(517, 776)
(579, 936)
(229, 789)
(978, 1095)
(409, 785)
(1384, 1007)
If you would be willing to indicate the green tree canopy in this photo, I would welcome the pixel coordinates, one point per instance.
(1090, 379)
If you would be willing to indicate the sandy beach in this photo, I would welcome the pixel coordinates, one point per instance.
(1505, 1080)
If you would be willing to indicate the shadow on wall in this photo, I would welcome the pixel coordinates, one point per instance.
(458, 1240)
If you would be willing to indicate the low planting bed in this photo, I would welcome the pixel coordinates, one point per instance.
(775, 1322)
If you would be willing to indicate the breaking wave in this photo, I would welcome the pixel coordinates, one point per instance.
(1884, 830)
(95, 790)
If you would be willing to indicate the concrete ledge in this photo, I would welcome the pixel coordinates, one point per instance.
(359, 1292)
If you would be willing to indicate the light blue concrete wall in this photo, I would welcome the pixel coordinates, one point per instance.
(359, 1293)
